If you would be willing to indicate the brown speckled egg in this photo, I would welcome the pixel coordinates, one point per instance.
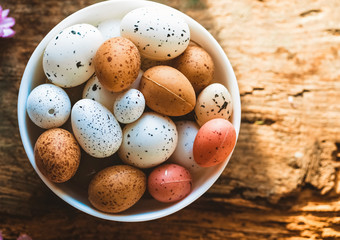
(169, 183)
(167, 91)
(197, 65)
(117, 64)
(57, 154)
(116, 188)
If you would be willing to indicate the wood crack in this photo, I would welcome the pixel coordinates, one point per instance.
(309, 12)
(265, 121)
(300, 94)
(334, 31)
(252, 91)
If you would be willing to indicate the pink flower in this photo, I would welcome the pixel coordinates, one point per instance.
(6, 23)
(24, 237)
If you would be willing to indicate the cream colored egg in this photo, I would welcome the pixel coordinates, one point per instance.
(213, 102)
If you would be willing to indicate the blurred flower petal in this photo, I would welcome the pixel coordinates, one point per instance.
(7, 22)
(4, 13)
(1, 231)
(8, 33)
(24, 237)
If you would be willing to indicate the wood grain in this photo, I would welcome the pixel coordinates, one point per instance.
(283, 179)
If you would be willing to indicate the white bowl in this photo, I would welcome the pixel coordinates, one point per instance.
(146, 208)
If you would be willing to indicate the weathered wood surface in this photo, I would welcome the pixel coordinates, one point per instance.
(283, 181)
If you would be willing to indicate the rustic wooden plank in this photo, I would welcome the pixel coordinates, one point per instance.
(283, 179)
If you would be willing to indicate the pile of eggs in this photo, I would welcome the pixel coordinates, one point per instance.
(148, 98)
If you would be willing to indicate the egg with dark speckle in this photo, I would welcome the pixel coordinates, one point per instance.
(116, 188)
(57, 155)
(67, 59)
(117, 64)
(129, 106)
(159, 33)
(169, 183)
(197, 65)
(213, 102)
(94, 90)
(95, 128)
(149, 141)
(48, 106)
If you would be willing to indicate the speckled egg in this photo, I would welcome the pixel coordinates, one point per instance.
(213, 102)
(57, 155)
(149, 141)
(169, 183)
(67, 59)
(197, 65)
(116, 188)
(94, 90)
(183, 154)
(167, 91)
(117, 64)
(48, 106)
(95, 128)
(129, 106)
(214, 142)
(110, 28)
(159, 33)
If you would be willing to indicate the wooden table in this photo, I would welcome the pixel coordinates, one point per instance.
(283, 179)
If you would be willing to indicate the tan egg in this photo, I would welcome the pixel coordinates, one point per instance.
(57, 155)
(116, 188)
(117, 64)
(167, 91)
(197, 65)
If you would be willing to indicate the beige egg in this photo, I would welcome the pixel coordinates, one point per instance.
(167, 91)
(116, 188)
(117, 64)
(213, 102)
(197, 65)
(57, 155)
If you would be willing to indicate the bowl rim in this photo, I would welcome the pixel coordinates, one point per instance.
(121, 217)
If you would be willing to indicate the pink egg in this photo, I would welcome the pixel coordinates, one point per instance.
(214, 142)
(169, 183)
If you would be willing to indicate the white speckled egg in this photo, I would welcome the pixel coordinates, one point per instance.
(183, 154)
(158, 33)
(110, 28)
(129, 106)
(213, 102)
(95, 128)
(48, 106)
(94, 90)
(67, 59)
(148, 141)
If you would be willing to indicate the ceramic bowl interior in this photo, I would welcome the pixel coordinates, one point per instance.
(74, 191)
